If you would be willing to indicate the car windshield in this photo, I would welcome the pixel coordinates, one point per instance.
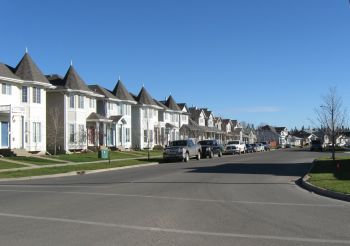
(178, 143)
(233, 142)
(206, 142)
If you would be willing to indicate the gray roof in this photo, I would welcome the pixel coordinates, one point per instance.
(73, 81)
(121, 92)
(103, 91)
(28, 70)
(145, 98)
(161, 104)
(170, 103)
(95, 116)
(194, 113)
(5, 71)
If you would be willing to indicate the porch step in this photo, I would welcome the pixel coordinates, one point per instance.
(21, 152)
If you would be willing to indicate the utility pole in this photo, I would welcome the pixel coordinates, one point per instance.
(148, 135)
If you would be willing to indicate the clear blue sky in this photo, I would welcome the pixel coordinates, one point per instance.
(256, 61)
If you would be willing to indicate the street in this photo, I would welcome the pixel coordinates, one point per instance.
(234, 200)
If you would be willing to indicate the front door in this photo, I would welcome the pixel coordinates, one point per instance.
(4, 134)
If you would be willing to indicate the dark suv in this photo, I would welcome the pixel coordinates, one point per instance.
(316, 145)
(211, 148)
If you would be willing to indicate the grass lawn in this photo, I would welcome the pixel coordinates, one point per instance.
(8, 165)
(92, 156)
(325, 174)
(70, 168)
(34, 160)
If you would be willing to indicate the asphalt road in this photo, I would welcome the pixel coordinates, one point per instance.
(234, 200)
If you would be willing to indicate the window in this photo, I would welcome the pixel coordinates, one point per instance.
(183, 117)
(81, 102)
(145, 138)
(36, 132)
(151, 135)
(71, 101)
(24, 94)
(145, 113)
(127, 135)
(6, 89)
(26, 131)
(36, 95)
(91, 103)
(71, 133)
(82, 134)
(155, 113)
(166, 116)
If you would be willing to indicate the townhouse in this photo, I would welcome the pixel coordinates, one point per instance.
(115, 108)
(276, 136)
(169, 121)
(73, 123)
(144, 120)
(22, 106)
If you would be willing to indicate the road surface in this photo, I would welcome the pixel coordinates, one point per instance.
(234, 200)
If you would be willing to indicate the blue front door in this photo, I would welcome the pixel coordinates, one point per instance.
(4, 134)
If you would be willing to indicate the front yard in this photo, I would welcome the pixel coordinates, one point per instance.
(334, 176)
(70, 168)
(36, 166)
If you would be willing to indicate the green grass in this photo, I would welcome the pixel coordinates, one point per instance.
(34, 160)
(92, 156)
(8, 165)
(70, 168)
(325, 174)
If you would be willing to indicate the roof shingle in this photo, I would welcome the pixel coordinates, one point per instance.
(28, 70)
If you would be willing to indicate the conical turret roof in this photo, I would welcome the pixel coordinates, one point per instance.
(73, 81)
(121, 92)
(145, 98)
(170, 103)
(28, 70)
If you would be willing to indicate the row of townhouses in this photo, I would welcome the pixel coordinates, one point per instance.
(40, 113)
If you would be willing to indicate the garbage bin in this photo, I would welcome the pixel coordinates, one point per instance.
(103, 154)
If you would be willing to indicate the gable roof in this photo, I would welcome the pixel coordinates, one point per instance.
(103, 91)
(170, 103)
(268, 128)
(28, 70)
(195, 113)
(145, 98)
(280, 129)
(5, 71)
(182, 106)
(72, 80)
(207, 112)
(121, 92)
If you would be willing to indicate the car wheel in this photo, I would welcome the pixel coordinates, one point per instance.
(220, 154)
(199, 156)
(187, 158)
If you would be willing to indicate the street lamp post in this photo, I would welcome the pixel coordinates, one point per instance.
(148, 135)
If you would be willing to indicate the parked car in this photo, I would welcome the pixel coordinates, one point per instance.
(211, 148)
(240, 146)
(316, 145)
(231, 150)
(266, 146)
(182, 150)
(249, 148)
(259, 147)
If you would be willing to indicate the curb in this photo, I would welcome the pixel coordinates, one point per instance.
(303, 182)
(81, 172)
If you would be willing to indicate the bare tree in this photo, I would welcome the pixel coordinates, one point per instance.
(331, 116)
(55, 125)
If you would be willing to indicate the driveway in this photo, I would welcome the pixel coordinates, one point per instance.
(234, 200)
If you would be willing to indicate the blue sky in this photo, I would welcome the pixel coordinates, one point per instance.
(256, 61)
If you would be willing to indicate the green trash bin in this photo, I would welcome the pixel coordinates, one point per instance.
(103, 154)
